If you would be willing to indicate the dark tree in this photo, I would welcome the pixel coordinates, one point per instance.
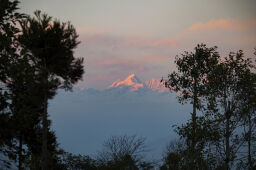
(78, 162)
(8, 18)
(123, 152)
(246, 101)
(10, 57)
(20, 99)
(178, 154)
(33, 155)
(50, 45)
(24, 106)
(227, 86)
(173, 156)
(223, 89)
(190, 83)
(247, 104)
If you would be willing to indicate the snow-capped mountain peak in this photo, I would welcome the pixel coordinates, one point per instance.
(155, 85)
(131, 82)
(131, 79)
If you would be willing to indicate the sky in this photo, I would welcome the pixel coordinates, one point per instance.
(121, 37)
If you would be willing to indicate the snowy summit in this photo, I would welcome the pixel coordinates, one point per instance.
(134, 84)
(131, 81)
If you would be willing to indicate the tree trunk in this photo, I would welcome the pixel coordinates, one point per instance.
(249, 142)
(193, 145)
(227, 137)
(227, 145)
(20, 153)
(44, 135)
(44, 119)
(194, 114)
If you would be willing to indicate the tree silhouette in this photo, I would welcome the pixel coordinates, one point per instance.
(226, 84)
(8, 18)
(190, 82)
(247, 104)
(78, 162)
(24, 106)
(122, 152)
(224, 90)
(11, 58)
(50, 44)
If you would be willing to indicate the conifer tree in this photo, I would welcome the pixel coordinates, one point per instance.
(10, 56)
(51, 44)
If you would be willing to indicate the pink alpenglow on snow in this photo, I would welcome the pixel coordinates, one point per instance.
(156, 85)
(133, 82)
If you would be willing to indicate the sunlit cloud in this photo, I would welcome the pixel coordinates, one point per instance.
(224, 24)
(229, 34)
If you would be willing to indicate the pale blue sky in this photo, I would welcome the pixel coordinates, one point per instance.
(120, 37)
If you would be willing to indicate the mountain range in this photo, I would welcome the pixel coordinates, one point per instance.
(133, 84)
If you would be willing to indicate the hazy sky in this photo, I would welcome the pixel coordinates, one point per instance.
(120, 37)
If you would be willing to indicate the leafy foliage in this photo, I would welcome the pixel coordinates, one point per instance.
(225, 95)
